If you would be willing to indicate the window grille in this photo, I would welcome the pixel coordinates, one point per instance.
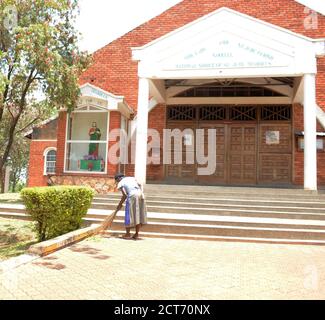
(182, 113)
(243, 114)
(212, 113)
(276, 113)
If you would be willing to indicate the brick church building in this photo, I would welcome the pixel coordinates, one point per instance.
(254, 71)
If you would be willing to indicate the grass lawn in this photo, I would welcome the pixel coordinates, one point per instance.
(10, 198)
(15, 237)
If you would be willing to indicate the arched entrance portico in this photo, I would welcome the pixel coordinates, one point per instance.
(229, 46)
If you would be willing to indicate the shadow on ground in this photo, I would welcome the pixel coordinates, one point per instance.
(94, 253)
(45, 262)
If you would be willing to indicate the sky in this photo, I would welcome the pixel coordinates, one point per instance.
(102, 21)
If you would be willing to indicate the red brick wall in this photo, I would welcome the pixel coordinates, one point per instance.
(298, 124)
(299, 154)
(113, 69)
(157, 121)
(320, 82)
(36, 162)
(114, 123)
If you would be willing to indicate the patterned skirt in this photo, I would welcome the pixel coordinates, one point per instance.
(135, 210)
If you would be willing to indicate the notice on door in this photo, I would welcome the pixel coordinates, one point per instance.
(272, 137)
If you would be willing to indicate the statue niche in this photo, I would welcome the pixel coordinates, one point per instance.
(94, 134)
(93, 161)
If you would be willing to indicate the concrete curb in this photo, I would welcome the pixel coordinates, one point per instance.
(46, 247)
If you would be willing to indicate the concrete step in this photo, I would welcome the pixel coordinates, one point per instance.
(220, 238)
(216, 213)
(319, 215)
(110, 203)
(190, 220)
(254, 191)
(225, 227)
(219, 200)
(13, 208)
(213, 211)
(238, 189)
(15, 215)
(229, 231)
(230, 227)
(241, 196)
(215, 227)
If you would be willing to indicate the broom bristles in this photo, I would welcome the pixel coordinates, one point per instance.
(108, 221)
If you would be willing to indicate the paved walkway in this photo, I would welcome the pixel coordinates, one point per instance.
(110, 268)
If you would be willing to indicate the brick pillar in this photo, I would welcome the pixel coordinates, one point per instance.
(157, 121)
(114, 123)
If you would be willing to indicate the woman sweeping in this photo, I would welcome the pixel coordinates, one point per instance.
(135, 207)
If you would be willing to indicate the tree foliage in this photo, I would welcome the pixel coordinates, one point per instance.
(39, 64)
(19, 157)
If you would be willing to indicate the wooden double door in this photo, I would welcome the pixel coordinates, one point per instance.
(235, 155)
(258, 150)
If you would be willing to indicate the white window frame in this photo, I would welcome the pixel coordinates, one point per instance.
(99, 110)
(46, 151)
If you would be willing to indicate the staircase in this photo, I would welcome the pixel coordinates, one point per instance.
(225, 213)
(218, 213)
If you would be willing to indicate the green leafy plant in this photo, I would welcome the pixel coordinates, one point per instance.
(40, 65)
(57, 210)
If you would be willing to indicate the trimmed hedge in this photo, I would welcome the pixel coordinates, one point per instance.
(57, 210)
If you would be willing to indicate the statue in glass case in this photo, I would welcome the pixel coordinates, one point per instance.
(94, 134)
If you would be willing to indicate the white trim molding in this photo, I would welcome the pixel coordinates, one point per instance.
(47, 150)
(45, 140)
(92, 96)
(227, 44)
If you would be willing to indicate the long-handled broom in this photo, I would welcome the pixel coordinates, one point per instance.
(108, 221)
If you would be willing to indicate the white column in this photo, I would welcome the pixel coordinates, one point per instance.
(142, 131)
(310, 152)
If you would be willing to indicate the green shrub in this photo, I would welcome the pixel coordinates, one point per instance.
(57, 210)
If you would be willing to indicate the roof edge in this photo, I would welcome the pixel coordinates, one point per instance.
(222, 9)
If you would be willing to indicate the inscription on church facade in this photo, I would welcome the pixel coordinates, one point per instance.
(229, 53)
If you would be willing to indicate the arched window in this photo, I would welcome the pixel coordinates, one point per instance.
(49, 161)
